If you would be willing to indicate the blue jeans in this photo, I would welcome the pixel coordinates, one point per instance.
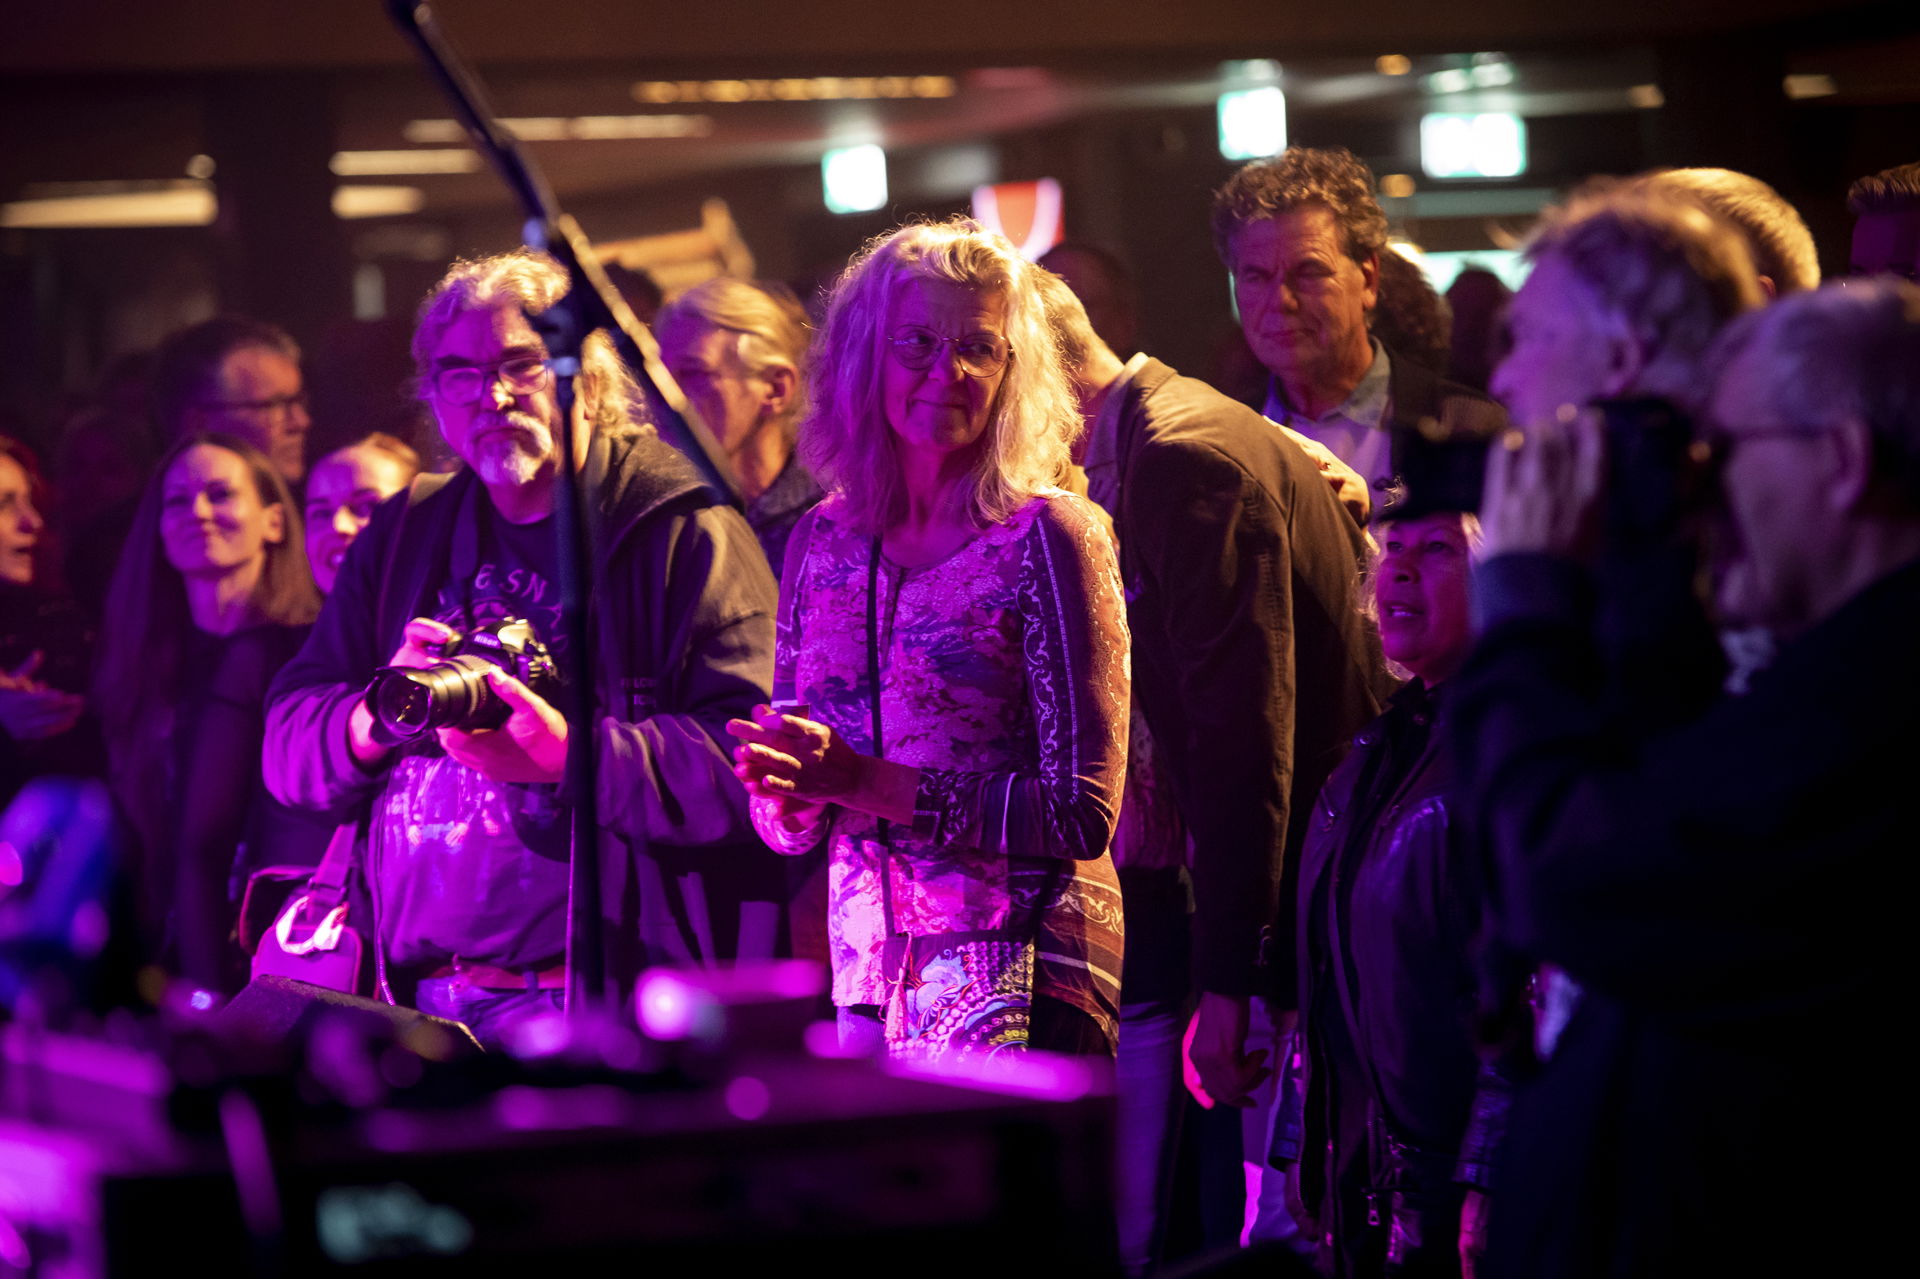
(1267, 1219)
(1148, 1101)
(489, 1014)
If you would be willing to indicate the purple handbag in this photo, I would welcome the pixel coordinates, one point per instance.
(310, 938)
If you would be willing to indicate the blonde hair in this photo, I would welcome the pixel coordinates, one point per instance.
(845, 439)
(532, 282)
(1777, 235)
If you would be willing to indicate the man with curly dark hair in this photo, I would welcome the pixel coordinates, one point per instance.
(1303, 235)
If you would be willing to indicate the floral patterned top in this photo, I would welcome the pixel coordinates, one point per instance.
(1005, 680)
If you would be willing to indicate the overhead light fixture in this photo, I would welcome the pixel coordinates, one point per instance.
(1253, 123)
(1397, 186)
(362, 164)
(183, 203)
(377, 201)
(200, 166)
(794, 89)
(1393, 64)
(854, 179)
(1486, 144)
(186, 202)
(1817, 85)
(1646, 97)
(1491, 71)
(1452, 80)
(579, 128)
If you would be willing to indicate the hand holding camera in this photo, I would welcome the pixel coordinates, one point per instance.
(479, 693)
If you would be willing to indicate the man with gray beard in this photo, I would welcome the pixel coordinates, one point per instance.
(467, 838)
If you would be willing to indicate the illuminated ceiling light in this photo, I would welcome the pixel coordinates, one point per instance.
(200, 166)
(377, 201)
(1452, 80)
(854, 179)
(176, 204)
(1397, 186)
(1028, 213)
(553, 128)
(600, 128)
(1494, 73)
(1393, 64)
(1253, 123)
(360, 164)
(1488, 144)
(1251, 71)
(1810, 86)
(793, 89)
(1646, 97)
(537, 128)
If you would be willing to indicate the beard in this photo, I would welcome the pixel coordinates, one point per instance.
(513, 456)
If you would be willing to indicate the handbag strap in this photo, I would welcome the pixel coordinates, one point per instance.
(328, 886)
(878, 743)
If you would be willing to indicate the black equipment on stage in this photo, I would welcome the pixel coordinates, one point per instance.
(122, 1160)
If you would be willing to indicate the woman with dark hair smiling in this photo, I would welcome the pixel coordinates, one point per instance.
(212, 595)
(954, 644)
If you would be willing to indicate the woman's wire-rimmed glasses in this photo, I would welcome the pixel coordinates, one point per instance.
(980, 354)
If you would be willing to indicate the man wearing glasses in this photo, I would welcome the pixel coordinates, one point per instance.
(1722, 886)
(467, 842)
(240, 376)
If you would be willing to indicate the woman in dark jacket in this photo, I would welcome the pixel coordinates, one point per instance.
(211, 596)
(1389, 909)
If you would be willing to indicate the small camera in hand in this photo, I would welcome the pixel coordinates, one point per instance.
(409, 702)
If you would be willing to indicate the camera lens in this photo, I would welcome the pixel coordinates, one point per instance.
(410, 702)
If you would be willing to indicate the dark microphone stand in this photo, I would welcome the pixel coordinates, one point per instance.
(591, 303)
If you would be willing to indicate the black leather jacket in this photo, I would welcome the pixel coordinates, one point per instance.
(1389, 912)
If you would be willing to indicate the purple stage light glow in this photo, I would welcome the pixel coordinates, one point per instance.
(1045, 1076)
(748, 1098)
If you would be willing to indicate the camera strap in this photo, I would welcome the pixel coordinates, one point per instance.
(463, 555)
(896, 943)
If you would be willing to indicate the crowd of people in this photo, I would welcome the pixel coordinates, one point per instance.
(1453, 764)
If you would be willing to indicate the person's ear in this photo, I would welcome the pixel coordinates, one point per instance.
(275, 520)
(783, 385)
(1625, 357)
(1370, 280)
(1852, 475)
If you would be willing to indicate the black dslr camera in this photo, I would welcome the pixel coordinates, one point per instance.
(409, 702)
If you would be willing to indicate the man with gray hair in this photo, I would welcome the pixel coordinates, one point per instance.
(739, 351)
(1302, 235)
(1720, 886)
(467, 838)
